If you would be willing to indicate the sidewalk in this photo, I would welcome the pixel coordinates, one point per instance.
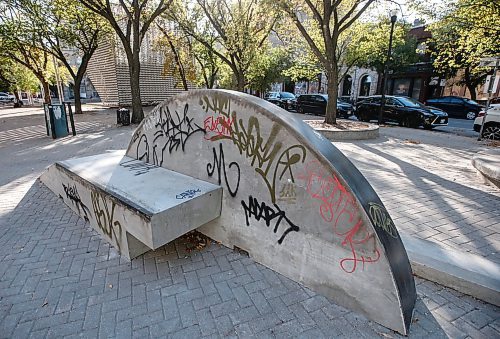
(58, 278)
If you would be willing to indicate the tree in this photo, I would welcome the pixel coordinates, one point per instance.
(17, 77)
(22, 44)
(241, 27)
(370, 49)
(69, 24)
(178, 55)
(329, 20)
(464, 32)
(269, 68)
(131, 20)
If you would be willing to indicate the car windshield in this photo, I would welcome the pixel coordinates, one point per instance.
(272, 95)
(286, 95)
(409, 102)
(472, 102)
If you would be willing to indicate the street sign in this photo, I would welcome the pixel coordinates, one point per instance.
(489, 62)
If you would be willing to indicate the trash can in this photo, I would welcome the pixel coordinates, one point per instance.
(123, 116)
(56, 121)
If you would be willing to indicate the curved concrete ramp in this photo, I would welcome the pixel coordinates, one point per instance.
(291, 198)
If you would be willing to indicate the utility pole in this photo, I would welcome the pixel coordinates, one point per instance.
(386, 67)
(58, 80)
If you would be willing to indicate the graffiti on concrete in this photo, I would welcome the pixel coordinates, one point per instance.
(188, 194)
(137, 167)
(287, 192)
(338, 208)
(219, 164)
(105, 217)
(74, 197)
(218, 127)
(268, 214)
(218, 124)
(172, 131)
(268, 157)
(380, 218)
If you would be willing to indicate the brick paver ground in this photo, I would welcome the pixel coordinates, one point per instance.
(427, 182)
(58, 278)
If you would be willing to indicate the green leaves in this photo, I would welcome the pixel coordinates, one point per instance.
(468, 31)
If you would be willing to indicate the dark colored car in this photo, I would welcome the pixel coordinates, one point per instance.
(284, 100)
(456, 107)
(316, 104)
(405, 111)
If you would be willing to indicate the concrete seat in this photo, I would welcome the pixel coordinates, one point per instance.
(136, 206)
(487, 163)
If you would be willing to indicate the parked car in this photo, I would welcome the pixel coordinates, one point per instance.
(316, 104)
(6, 98)
(405, 111)
(491, 129)
(456, 107)
(284, 100)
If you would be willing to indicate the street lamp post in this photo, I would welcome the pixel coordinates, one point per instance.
(394, 17)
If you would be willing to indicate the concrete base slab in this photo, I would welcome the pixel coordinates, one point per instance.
(136, 206)
(467, 273)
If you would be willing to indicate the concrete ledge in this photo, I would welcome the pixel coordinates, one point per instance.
(370, 132)
(465, 272)
(487, 163)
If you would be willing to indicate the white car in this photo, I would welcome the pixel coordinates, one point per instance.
(6, 97)
(491, 129)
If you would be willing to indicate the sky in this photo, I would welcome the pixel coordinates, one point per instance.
(404, 12)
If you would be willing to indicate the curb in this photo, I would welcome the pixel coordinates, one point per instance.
(487, 164)
(464, 272)
(372, 132)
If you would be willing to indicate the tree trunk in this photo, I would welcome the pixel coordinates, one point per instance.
(46, 91)
(76, 92)
(135, 71)
(469, 84)
(240, 81)
(331, 107)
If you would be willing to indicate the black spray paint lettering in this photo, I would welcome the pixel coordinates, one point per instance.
(138, 167)
(262, 211)
(220, 164)
(188, 194)
(173, 131)
(105, 217)
(72, 194)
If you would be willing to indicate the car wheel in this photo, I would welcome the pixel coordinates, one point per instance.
(363, 117)
(491, 131)
(471, 116)
(300, 109)
(407, 122)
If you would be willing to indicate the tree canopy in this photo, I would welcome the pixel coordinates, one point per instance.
(462, 33)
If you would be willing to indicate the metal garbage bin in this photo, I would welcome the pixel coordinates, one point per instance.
(56, 121)
(123, 116)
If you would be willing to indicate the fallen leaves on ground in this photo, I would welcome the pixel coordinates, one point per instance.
(411, 141)
(341, 125)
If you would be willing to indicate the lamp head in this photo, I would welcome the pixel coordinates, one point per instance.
(394, 15)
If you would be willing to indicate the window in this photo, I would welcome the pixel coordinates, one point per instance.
(401, 86)
(364, 87)
(417, 85)
(346, 87)
(456, 101)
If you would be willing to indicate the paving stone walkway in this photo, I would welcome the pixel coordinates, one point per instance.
(427, 182)
(59, 279)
